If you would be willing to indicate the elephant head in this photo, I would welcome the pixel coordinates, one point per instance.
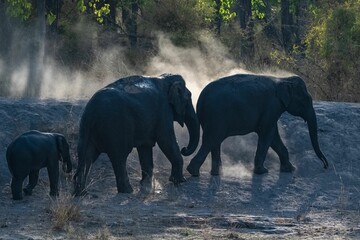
(63, 150)
(183, 111)
(296, 100)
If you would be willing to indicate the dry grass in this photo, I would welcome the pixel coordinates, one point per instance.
(103, 234)
(63, 210)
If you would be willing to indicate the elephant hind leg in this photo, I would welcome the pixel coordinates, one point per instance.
(85, 160)
(122, 179)
(216, 165)
(33, 180)
(278, 146)
(53, 172)
(16, 188)
(194, 166)
(147, 165)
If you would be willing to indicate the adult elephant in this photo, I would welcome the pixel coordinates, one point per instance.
(245, 103)
(138, 112)
(30, 152)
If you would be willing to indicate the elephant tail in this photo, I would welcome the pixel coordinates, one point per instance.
(9, 153)
(83, 143)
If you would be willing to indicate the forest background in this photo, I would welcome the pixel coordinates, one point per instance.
(62, 46)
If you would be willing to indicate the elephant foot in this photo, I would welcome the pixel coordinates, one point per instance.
(146, 184)
(216, 172)
(260, 170)
(177, 181)
(27, 191)
(17, 196)
(146, 187)
(54, 193)
(287, 168)
(193, 172)
(125, 188)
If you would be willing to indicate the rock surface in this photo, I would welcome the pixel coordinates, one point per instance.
(310, 203)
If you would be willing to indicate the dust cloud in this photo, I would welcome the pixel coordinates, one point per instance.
(198, 65)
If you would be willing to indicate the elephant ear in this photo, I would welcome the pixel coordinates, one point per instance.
(177, 100)
(283, 92)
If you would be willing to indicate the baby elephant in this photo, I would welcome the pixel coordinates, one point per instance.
(30, 152)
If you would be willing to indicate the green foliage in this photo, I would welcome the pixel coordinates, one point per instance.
(226, 10)
(19, 8)
(335, 32)
(99, 9)
(50, 17)
(341, 33)
(258, 8)
(81, 5)
(208, 7)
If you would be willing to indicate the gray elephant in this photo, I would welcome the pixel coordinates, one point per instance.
(136, 112)
(245, 103)
(30, 152)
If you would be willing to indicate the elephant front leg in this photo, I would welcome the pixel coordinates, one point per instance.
(33, 180)
(171, 150)
(278, 146)
(147, 165)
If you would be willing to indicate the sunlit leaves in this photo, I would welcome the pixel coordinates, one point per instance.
(81, 5)
(226, 10)
(98, 7)
(50, 17)
(336, 32)
(19, 8)
(258, 8)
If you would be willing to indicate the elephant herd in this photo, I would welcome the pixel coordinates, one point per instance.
(138, 112)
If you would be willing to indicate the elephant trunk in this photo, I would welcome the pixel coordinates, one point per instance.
(312, 125)
(193, 126)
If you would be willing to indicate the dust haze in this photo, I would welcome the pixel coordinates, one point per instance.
(198, 65)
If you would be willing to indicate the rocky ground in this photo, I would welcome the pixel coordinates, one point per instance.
(311, 203)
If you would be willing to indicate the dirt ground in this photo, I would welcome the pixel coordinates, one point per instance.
(311, 203)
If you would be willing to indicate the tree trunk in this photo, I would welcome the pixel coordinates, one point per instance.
(270, 30)
(286, 25)
(54, 6)
(129, 18)
(247, 25)
(243, 11)
(36, 54)
(301, 22)
(133, 28)
(110, 20)
(5, 51)
(217, 17)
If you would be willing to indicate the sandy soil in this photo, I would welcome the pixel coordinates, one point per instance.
(311, 203)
